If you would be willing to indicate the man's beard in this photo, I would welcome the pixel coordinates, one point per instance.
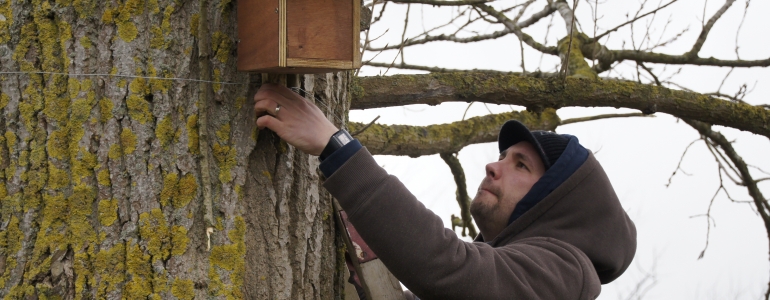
(483, 211)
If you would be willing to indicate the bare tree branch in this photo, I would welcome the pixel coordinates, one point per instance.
(463, 200)
(650, 57)
(761, 204)
(442, 2)
(606, 116)
(538, 93)
(706, 29)
(630, 21)
(566, 13)
(359, 131)
(426, 68)
(517, 30)
(415, 141)
(679, 165)
(534, 18)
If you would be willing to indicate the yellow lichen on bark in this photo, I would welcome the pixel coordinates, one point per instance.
(153, 228)
(192, 134)
(6, 11)
(10, 244)
(225, 158)
(188, 189)
(127, 141)
(122, 16)
(138, 107)
(165, 132)
(110, 268)
(578, 66)
(222, 45)
(229, 258)
(170, 189)
(108, 212)
(138, 272)
(183, 289)
(79, 207)
(105, 110)
(179, 240)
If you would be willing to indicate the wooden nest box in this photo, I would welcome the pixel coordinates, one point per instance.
(298, 36)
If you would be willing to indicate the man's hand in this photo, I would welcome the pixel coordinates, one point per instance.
(297, 121)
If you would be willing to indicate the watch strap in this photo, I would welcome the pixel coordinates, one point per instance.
(336, 141)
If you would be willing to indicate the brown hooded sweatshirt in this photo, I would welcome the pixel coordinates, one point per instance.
(568, 244)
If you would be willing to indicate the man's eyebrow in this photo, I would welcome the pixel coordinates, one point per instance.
(522, 157)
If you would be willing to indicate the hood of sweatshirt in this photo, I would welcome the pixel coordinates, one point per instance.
(574, 202)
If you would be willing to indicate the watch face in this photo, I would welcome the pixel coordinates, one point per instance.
(343, 138)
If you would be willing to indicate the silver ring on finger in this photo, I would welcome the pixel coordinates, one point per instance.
(277, 109)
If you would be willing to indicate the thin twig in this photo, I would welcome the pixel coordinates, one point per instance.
(679, 165)
(442, 2)
(604, 116)
(567, 59)
(431, 69)
(630, 22)
(365, 127)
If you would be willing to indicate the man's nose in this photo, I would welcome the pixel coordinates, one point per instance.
(493, 170)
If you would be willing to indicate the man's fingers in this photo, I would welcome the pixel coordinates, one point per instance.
(270, 122)
(281, 94)
(265, 106)
(266, 93)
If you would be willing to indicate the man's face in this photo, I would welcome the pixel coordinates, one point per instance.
(506, 183)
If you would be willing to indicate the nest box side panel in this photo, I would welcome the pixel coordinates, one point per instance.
(258, 32)
(320, 29)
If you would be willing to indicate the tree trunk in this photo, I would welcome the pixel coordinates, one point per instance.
(133, 181)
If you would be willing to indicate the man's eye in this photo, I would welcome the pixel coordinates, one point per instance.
(522, 165)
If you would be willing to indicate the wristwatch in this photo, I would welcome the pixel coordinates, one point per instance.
(338, 139)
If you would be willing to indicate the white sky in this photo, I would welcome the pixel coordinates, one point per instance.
(638, 154)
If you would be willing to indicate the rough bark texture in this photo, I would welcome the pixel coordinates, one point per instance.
(416, 141)
(103, 181)
(539, 93)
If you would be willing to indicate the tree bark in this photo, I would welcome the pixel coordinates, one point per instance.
(109, 182)
(540, 93)
(416, 141)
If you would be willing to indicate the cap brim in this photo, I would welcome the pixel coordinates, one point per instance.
(513, 132)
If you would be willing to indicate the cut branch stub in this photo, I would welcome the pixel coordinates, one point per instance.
(416, 141)
(539, 93)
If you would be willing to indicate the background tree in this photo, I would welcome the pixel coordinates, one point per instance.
(132, 168)
(640, 62)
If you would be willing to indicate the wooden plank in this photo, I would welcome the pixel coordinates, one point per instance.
(294, 70)
(257, 34)
(375, 278)
(356, 34)
(350, 291)
(320, 29)
(382, 284)
(282, 33)
(320, 63)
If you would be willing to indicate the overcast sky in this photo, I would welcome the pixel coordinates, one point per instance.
(638, 154)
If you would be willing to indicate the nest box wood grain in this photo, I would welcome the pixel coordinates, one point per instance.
(298, 36)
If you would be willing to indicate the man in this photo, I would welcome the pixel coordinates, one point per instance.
(551, 224)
